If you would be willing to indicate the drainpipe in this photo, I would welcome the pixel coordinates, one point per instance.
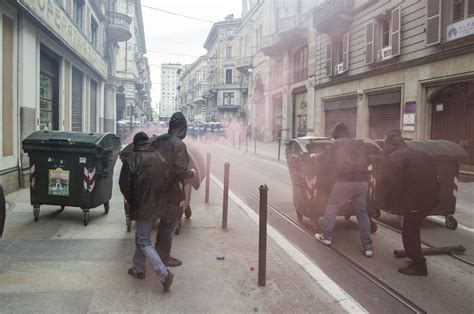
(21, 183)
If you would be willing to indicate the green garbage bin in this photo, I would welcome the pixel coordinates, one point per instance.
(446, 156)
(313, 185)
(71, 169)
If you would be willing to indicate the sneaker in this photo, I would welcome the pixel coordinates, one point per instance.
(172, 262)
(368, 252)
(138, 275)
(414, 270)
(322, 239)
(168, 281)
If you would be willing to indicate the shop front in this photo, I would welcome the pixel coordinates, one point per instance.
(300, 114)
(340, 110)
(384, 113)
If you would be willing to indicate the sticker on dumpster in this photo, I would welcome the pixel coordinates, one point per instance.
(88, 179)
(82, 160)
(58, 183)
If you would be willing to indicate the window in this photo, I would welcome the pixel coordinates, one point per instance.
(229, 32)
(383, 39)
(228, 52)
(94, 32)
(228, 99)
(299, 6)
(385, 30)
(228, 76)
(78, 13)
(462, 9)
(300, 63)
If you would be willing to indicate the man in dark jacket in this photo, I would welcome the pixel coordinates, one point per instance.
(174, 150)
(348, 159)
(139, 186)
(412, 187)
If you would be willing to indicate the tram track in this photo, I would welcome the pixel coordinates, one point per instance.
(377, 221)
(399, 297)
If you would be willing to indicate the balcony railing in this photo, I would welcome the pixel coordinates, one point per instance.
(291, 31)
(332, 15)
(289, 23)
(244, 63)
(119, 26)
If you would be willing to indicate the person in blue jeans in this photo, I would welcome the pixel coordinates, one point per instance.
(348, 160)
(139, 185)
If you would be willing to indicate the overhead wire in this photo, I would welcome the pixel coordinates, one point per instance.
(178, 14)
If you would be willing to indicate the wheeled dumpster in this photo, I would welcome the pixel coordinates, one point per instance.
(71, 169)
(446, 156)
(313, 185)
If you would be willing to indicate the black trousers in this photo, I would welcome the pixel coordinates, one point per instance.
(412, 222)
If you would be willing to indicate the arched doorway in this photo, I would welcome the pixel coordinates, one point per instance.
(259, 101)
(453, 115)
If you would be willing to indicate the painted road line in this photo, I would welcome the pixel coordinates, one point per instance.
(333, 289)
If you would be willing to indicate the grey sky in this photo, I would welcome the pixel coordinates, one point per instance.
(168, 33)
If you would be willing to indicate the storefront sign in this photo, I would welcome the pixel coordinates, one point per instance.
(409, 118)
(410, 106)
(50, 13)
(461, 29)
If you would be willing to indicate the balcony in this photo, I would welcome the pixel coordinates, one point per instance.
(119, 26)
(244, 64)
(290, 31)
(333, 16)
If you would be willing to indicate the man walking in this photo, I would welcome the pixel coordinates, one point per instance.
(349, 159)
(140, 187)
(174, 150)
(412, 187)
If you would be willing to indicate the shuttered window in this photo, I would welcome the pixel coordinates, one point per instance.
(76, 100)
(383, 118)
(329, 57)
(345, 51)
(7, 87)
(433, 22)
(347, 115)
(93, 107)
(369, 43)
(395, 34)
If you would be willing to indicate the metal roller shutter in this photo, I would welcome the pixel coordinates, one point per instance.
(347, 115)
(93, 107)
(383, 118)
(76, 100)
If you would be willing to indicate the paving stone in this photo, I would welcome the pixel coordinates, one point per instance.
(45, 302)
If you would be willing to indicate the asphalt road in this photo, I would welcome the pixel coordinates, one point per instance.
(448, 288)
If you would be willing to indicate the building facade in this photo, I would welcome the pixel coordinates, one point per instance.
(131, 75)
(224, 81)
(192, 93)
(59, 65)
(170, 80)
(407, 65)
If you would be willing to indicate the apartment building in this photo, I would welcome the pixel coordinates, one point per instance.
(406, 64)
(224, 81)
(170, 80)
(192, 93)
(131, 75)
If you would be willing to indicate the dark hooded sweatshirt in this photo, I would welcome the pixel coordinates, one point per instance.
(173, 149)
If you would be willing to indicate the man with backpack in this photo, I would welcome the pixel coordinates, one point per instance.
(174, 150)
(143, 192)
(349, 160)
(412, 186)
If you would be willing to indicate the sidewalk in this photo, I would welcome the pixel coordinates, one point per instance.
(59, 265)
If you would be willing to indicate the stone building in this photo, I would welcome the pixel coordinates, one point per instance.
(224, 81)
(58, 64)
(192, 94)
(132, 73)
(383, 65)
(170, 80)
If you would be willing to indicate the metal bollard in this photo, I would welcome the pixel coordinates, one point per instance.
(225, 203)
(262, 237)
(208, 174)
(246, 143)
(255, 145)
(279, 147)
(233, 139)
(239, 140)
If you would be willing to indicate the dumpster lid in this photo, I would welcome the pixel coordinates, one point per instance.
(308, 143)
(440, 149)
(103, 140)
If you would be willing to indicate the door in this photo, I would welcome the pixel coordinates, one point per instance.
(49, 90)
(93, 107)
(300, 115)
(277, 116)
(348, 116)
(383, 118)
(76, 100)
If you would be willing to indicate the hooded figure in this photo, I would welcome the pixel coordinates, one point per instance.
(173, 149)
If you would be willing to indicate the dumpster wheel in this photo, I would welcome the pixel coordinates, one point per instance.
(451, 222)
(36, 212)
(106, 207)
(376, 213)
(85, 217)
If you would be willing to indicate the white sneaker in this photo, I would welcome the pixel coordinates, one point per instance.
(322, 239)
(368, 253)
